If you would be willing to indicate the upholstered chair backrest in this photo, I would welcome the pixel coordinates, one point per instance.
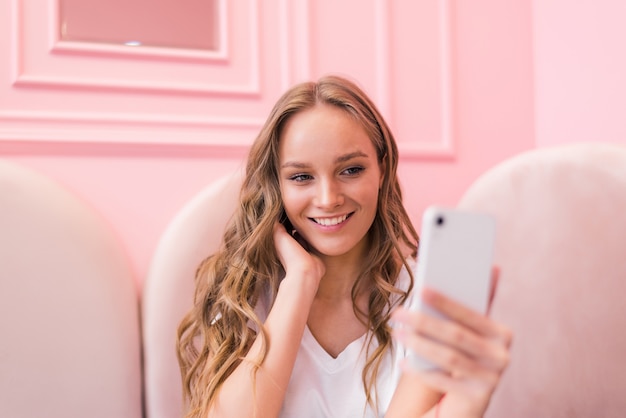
(69, 314)
(561, 245)
(194, 233)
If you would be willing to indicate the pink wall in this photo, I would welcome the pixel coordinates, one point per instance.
(493, 100)
(138, 131)
(580, 63)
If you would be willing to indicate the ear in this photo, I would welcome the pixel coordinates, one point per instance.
(382, 166)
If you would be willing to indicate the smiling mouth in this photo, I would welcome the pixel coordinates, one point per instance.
(331, 221)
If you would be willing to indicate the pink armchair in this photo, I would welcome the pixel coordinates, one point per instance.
(71, 345)
(561, 244)
(69, 317)
(168, 291)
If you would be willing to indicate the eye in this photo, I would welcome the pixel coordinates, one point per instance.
(353, 171)
(298, 178)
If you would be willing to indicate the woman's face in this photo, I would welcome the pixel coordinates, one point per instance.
(329, 180)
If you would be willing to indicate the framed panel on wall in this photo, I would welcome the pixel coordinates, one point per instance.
(145, 72)
(206, 73)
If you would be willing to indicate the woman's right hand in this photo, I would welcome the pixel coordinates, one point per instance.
(284, 326)
(294, 257)
(471, 349)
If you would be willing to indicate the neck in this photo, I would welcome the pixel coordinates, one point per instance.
(341, 274)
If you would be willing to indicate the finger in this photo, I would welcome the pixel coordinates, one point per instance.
(450, 360)
(300, 240)
(469, 318)
(491, 354)
(285, 244)
(280, 233)
(447, 383)
(293, 256)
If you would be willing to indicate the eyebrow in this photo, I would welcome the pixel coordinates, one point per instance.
(338, 160)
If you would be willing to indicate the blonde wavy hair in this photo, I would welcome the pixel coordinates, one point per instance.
(218, 331)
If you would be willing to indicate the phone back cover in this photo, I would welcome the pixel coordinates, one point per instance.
(455, 257)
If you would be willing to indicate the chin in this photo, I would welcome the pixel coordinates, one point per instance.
(337, 250)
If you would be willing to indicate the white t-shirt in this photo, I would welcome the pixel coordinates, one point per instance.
(323, 386)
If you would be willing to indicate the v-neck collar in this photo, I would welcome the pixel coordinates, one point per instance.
(329, 363)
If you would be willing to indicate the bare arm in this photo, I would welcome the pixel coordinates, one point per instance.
(412, 398)
(245, 394)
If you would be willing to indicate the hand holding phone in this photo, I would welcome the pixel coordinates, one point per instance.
(454, 258)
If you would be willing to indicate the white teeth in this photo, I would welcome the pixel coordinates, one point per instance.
(330, 221)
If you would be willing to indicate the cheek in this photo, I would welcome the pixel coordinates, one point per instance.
(369, 196)
(293, 201)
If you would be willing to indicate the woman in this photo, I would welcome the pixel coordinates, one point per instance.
(292, 315)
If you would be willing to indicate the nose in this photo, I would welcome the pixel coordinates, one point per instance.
(328, 194)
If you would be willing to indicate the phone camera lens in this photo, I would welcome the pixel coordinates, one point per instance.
(440, 220)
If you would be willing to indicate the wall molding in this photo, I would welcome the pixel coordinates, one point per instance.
(49, 129)
(83, 148)
(52, 46)
(444, 147)
(219, 55)
(295, 44)
(45, 128)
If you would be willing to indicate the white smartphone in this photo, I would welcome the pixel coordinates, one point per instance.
(455, 258)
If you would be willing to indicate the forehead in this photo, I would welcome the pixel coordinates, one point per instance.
(323, 130)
